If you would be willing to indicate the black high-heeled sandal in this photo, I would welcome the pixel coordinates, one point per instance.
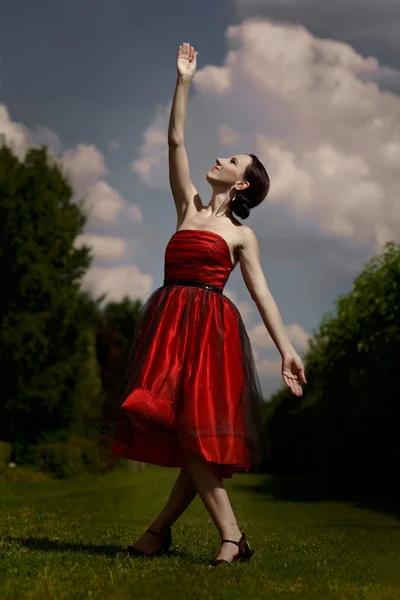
(244, 552)
(165, 545)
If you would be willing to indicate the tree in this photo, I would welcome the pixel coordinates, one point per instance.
(115, 328)
(350, 404)
(45, 337)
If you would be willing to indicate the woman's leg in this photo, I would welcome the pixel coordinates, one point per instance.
(182, 494)
(210, 487)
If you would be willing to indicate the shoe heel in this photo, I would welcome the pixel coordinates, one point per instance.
(166, 538)
(245, 553)
(246, 556)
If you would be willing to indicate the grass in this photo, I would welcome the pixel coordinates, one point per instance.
(58, 540)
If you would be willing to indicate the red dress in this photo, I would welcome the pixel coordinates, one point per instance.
(190, 381)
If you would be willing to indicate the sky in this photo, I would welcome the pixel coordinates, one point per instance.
(311, 87)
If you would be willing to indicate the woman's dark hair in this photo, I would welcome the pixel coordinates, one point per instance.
(258, 189)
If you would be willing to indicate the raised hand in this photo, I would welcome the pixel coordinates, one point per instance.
(293, 373)
(187, 60)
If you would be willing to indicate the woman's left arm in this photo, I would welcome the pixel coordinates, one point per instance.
(254, 278)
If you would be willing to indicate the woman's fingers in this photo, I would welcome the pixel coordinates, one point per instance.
(187, 51)
(293, 384)
(296, 388)
(302, 376)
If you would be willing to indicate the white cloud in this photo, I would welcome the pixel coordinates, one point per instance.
(269, 367)
(391, 152)
(245, 308)
(260, 337)
(43, 135)
(154, 149)
(103, 203)
(118, 282)
(15, 134)
(227, 135)
(329, 137)
(103, 246)
(214, 79)
(135, 213)
(287, 177)
(358, 20)
(84, 167)
(298, 337)
(246, 311)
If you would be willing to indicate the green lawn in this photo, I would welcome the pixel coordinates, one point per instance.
(58, 540)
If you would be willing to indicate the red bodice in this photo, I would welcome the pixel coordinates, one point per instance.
(198, 255)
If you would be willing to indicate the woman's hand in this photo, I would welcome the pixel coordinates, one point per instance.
(187, 61)
(293, 372)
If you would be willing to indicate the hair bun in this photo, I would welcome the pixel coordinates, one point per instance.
(240, 206)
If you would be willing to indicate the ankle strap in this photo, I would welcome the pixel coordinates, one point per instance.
(158, 534)
(232, 541)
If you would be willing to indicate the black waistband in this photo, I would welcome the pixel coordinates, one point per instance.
(194, 283)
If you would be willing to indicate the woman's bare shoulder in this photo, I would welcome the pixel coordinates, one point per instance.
(246, 236)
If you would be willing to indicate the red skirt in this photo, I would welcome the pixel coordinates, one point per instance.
(190, 383)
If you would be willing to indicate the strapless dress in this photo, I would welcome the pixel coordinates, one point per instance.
(190, 381)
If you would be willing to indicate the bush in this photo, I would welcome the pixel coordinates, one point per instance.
(5, 453)
(19, 474)
(23, 453)
(60, 459)
(95, 454)
(74, 457)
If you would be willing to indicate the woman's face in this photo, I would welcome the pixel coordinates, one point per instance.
(229, 171)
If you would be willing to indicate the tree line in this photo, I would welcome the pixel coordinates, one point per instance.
(59, 344)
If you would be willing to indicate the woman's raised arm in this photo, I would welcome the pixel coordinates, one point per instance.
(186, 66)
(182, 188)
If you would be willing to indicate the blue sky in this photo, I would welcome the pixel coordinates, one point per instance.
(312, 88)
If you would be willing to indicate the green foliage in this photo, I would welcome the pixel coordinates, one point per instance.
(95, 453)
(46, 344)
(60, 459)
(5, 453)
(23, 474)
(74, 457)
(89, 381)
(114, 329)
(123, 317)
(346, 422)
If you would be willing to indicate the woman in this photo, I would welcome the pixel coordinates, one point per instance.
(191, 395)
